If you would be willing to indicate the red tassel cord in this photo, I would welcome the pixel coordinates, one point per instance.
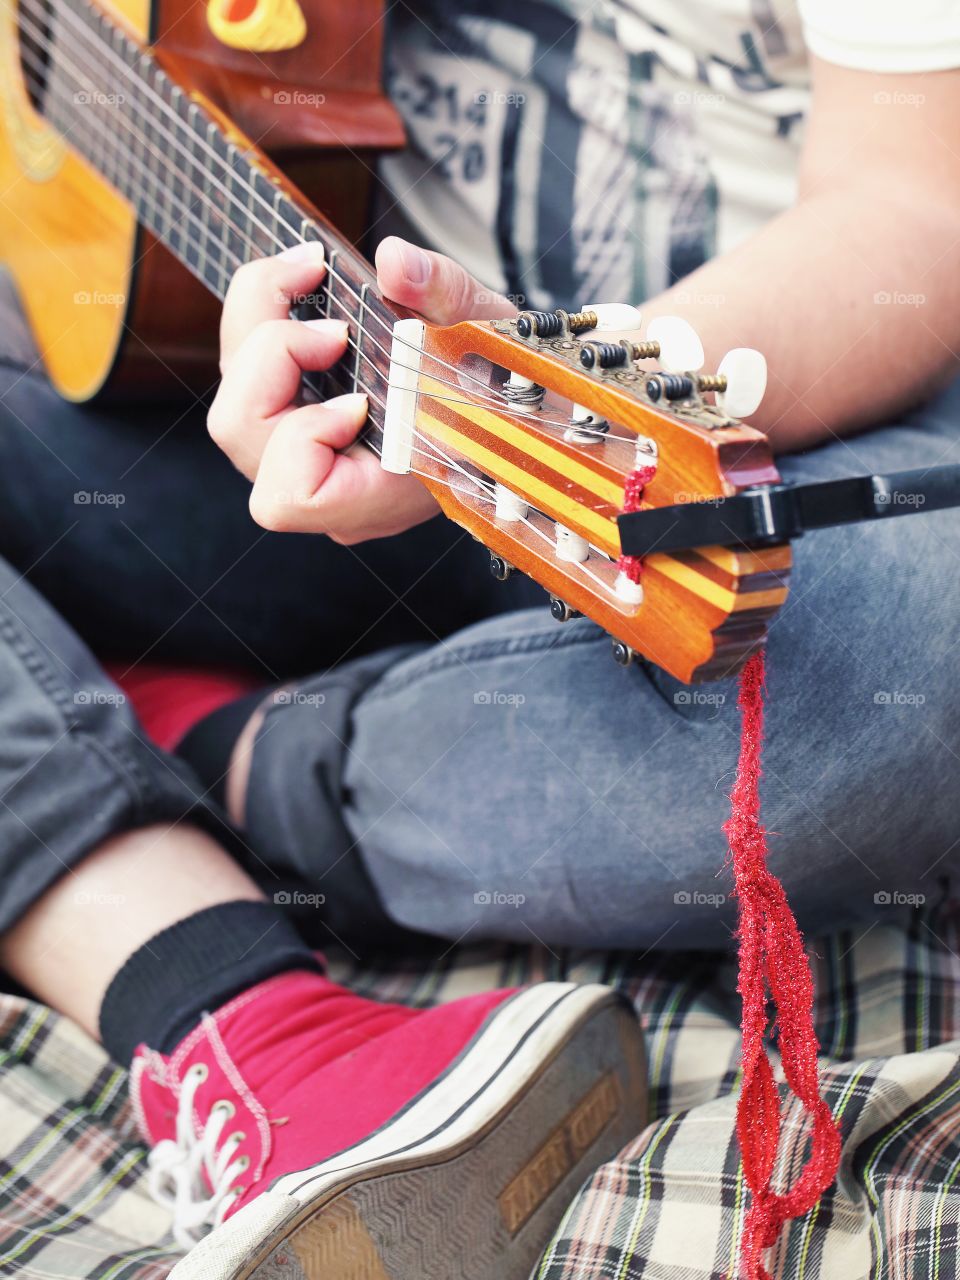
(772, 957)
(636, 482)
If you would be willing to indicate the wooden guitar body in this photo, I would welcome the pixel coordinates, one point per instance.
(109, 306)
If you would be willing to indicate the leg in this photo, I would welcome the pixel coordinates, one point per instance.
(263, 1087)
(135, 526)
(515, 764)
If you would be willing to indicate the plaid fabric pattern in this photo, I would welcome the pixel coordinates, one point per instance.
(74, 1203)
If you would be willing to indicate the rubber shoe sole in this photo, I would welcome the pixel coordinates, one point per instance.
(471, 1179)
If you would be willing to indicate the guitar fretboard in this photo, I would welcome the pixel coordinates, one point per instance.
(207, 197)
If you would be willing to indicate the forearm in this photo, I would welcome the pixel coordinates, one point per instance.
(853, 297)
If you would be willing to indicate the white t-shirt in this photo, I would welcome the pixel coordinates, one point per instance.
(571, 152)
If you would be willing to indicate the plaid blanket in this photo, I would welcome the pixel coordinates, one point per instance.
(73, 1200)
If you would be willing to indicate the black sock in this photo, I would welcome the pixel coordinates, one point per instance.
(195, 967)
(208, 746)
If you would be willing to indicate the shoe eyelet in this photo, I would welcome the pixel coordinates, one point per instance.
(199, 1071)
(224, 1104)
(243, 1164)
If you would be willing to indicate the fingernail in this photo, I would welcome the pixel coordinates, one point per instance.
(308, 251)
(354, 403)
(415, 263)
(336, 328)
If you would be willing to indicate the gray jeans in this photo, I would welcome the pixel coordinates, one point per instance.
(511, 781)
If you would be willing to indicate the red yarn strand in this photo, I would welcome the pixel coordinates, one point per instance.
(636, 482)
(772, 957)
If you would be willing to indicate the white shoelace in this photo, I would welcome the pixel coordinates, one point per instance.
(177, 1167)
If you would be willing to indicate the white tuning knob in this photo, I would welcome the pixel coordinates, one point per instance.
(746, 373)
(614, 315)
(681, 351)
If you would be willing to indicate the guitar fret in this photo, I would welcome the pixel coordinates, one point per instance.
(199, 193)
(329, 282)
(203, 231)
(219, 274)
(364, 288)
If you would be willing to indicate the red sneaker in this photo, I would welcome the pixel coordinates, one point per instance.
(321, 1135)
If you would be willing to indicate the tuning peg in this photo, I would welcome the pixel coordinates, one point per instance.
(745, 371)
(681, 351)
(613, 315)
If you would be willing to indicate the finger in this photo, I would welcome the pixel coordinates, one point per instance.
(313, 479)
(434, 286)
(263, 381)
(265, 289)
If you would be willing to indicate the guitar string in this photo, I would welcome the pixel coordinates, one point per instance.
(488, 495)
(540, 418)
(496, 398)
(433, 450)
(46, 41)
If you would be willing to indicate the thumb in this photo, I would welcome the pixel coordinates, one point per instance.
(435, 286)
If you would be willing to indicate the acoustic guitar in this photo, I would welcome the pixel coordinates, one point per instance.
(132, 192)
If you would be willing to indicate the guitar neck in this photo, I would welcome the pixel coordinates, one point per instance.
(203, 189)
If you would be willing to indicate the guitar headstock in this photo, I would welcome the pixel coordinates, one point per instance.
(536, 432)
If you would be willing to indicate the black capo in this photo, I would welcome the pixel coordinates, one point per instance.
(776, 513)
